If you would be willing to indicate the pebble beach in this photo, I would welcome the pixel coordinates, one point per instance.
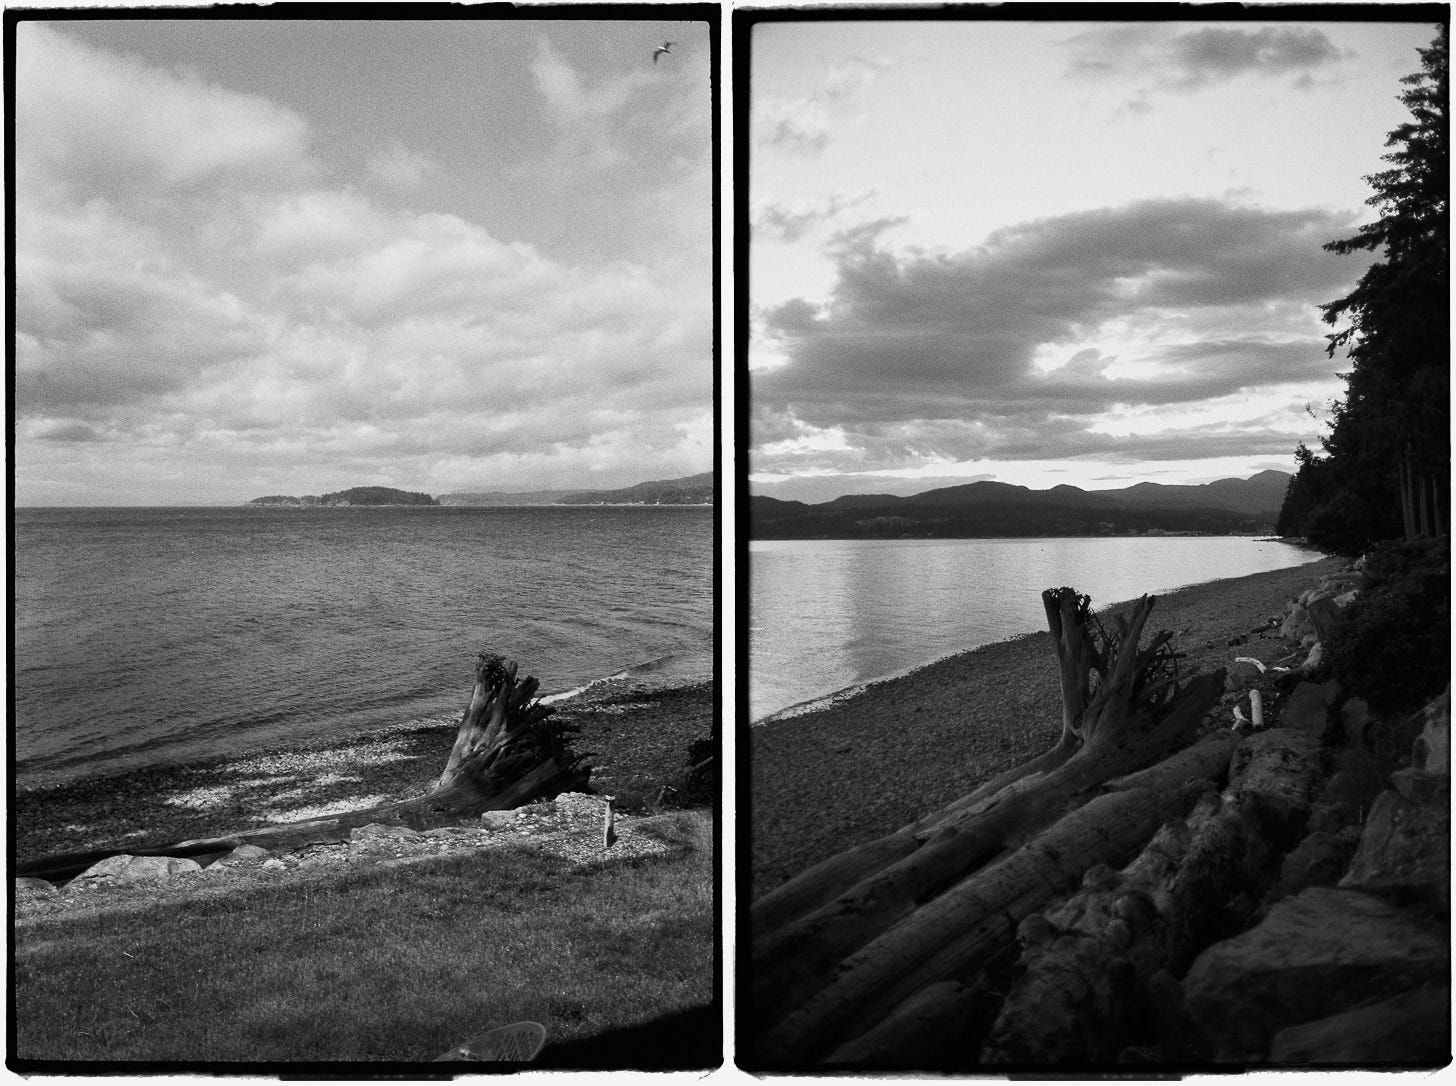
(863, 766)
(637, 739)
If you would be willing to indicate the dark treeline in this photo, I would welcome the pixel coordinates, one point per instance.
(894, 518)
(1384, 469)
(998, 510)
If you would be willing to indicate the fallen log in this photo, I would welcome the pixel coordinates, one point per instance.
(1121, 709)
(927, 1032)
(839, 948)
(507, 752)
(793, 958)
(959, 931)
(1086, 986)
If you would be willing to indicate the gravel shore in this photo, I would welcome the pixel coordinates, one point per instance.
(859, 768)
(638, 739)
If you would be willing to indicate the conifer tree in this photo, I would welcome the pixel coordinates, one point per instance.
(1387, 464)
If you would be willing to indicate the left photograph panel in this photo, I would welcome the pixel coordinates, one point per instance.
(363, 495)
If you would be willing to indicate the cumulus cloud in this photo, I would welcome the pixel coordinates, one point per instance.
(207, 316)
(792, 221)
(801, 125)
(67, 431)
(399, 167)
(104, 126)
(570, 100)
(1169, 57)
(1017, 347)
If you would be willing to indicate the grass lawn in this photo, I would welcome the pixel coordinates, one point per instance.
(379, 964)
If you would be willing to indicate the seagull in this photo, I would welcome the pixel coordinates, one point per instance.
(665, 47)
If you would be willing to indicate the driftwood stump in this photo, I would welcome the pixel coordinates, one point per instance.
(508, 752)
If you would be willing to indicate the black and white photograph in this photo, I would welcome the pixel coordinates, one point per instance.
(1097, 508)
(728, 541)
(363, 515)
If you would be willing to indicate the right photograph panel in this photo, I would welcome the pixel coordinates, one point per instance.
(1097, 467)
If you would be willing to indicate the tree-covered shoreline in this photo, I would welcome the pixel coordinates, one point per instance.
(1384, 469)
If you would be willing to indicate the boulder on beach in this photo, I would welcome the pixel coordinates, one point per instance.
(1405, 848)
(1432, 749)
(1308, 708)
(1411, 1028)
(1320, 953)
(1321, 859)
(29, 889)
(127, 870)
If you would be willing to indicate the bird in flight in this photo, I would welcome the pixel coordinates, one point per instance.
(665, 47)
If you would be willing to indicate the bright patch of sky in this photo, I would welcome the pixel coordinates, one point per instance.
(278, 256)
(1052, 252)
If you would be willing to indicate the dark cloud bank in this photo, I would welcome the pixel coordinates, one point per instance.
(911, 338)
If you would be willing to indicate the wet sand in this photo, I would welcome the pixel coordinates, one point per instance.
(859, 768)
(638, 739)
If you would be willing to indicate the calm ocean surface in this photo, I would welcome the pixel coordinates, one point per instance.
(832, 614)
(146, 636)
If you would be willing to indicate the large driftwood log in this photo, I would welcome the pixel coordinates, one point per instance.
(1090, 965)
(839, 948)
(1120, 709)
(927, 1032)
(507, 753)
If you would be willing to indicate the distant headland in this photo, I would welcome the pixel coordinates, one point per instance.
(690, 490)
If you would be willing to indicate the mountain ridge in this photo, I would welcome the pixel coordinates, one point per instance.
(696, 489)
(993, 509)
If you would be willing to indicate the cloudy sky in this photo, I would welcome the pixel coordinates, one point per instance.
(274, 256)
(1052, 252)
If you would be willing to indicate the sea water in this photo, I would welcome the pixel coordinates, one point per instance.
(146, 636)
(828, 615)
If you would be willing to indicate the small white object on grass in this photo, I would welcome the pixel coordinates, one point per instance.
(609, 832)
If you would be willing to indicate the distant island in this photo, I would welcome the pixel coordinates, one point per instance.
(689, 490)
(359, 495)
(1000, 510)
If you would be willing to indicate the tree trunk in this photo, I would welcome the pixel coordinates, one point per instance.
(839, 947)
(507, 753)
(1424, 525)
(1407, 495)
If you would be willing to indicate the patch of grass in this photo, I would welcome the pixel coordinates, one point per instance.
(384, 964)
